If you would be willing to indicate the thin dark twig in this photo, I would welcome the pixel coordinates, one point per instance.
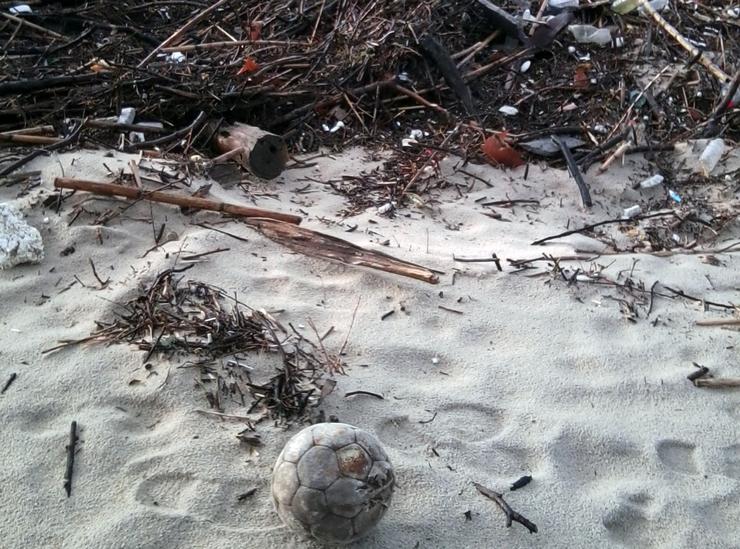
(70, 458)
(599, 224)
(511, 515)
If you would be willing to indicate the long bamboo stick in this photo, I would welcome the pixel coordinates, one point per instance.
(685, 44)
(108, 189)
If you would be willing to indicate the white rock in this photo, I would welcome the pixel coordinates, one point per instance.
(631, 212)
(19, 242)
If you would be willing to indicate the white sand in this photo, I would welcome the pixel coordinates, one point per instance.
(535, 377)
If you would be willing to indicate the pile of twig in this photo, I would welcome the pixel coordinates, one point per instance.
(289, 65)
(197, 320)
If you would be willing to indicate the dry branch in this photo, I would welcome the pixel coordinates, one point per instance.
(511, 515)
(108, 189)
(717, 382)
(316, 244)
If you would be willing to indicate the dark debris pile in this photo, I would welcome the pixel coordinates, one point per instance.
(219, 334)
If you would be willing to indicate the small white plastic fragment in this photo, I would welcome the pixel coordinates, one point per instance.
(127, 116)
(177, 57)
(711, 155)
(652, 181)
(508, 110)
(19, 242)
(136, 137)
(588, 34)
(560, 4)
(525, 66)
(416, 134)
(338, 125)
(631, 212)
(385, 208)
(21, 9)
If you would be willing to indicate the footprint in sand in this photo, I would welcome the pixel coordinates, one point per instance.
(628, 523)
(677, 456)
(731, 455)
(167, 492)
(462, 422)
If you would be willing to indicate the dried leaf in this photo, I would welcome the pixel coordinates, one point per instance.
(499, 152)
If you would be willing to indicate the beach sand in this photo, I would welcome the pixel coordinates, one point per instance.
(525, 375)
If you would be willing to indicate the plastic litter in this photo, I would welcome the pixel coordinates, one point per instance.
(21, 9)
(177, 57)
(525, 66)
(652, 181)
(588, 34)
(562, 4)
(711, 155)
(127, 115)
(631, 212)
(508, 110)
(626, 6)
(674, 196)
(338, 125)
(545, 146)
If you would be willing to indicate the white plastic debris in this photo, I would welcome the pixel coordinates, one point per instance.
(652, 181)
(561, 4)
(136, 137)
(177, 57)
(338, 125)
(711, 155)
(631, 212)
(435, 359)
(674, 196)
(127, 116)
(588, 34)
(21, 9)
(385, 208)
(19, 242)
(508, 110)
(626, 6)
(525, 66)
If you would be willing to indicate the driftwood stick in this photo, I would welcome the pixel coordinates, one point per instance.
(685, 44)
(29, 139)
(26, 86)
(181, 31)
(315, 244)
(719, 322)
(70, 458)
(717, 382)
(33, 26)
(511, 515)
(10, 168)
(108, 189)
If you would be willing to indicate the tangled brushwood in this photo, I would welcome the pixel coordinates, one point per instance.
(203, 324)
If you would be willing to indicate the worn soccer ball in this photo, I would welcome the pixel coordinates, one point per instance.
(333, 481)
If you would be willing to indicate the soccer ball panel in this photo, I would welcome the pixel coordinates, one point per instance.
(334, 529)
(309, 505)
(369, 517)
(297, 446)
(354, 462)
(347, 497)
(380, 473)
(318, 468)
(333, 435)
(371, 445)
(285, 482)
